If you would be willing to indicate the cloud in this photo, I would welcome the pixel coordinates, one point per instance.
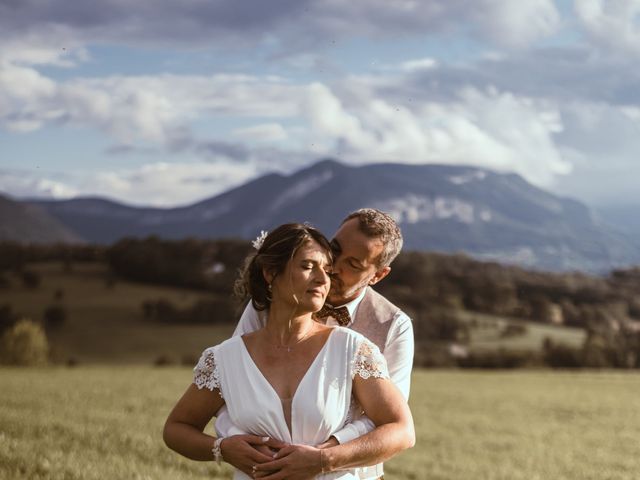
(214, 149)
(418, 64)
(501, 22)
(285, 25)
(266, 132)
(149, 22)
(515, 24)
(613, 25)
(168, 184)
(601, 141)
(559, 74)
(487, 128)
(153, 109)
(156, 184)
(26, 183)
(509, 102)
(354, 120)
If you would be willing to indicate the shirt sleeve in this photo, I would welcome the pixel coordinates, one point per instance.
(355, 429)
(250, 321)
(398, 353)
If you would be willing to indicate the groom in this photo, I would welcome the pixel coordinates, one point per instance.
(366, 243)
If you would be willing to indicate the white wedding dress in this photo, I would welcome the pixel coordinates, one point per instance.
(321, 405)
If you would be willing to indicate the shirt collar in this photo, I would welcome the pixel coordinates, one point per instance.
(352, 306)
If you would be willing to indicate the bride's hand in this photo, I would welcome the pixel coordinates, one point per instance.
(293, 462)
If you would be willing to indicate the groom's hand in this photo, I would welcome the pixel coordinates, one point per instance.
(245, 451)
(293, 462)
(332, 442)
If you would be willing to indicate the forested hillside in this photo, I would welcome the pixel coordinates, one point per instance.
(465, 312)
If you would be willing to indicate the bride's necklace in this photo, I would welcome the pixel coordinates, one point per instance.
(290, 346)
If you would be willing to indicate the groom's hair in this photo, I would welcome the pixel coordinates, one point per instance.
(273, 255)
(377, 224)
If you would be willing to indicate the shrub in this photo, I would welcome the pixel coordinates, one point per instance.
(30, 279)
(166, 312)
(24, 344)
(7, 318)
(513, 330)
(54, 317)
(562, 356)
(211, 311)
(164, 360)
(432, 355)
(110, 281)
(189, 359)
(438, 324)
(67, 265)
(597, 356)
(498, 359)
(206, 311)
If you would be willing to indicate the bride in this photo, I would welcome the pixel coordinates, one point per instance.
(295, 380)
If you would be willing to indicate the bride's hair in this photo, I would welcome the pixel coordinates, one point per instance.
(278, 247)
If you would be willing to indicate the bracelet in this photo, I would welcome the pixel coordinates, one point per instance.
(217, 452)
(323, 468)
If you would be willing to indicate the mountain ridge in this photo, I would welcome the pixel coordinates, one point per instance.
(448, 208)
(28, 223)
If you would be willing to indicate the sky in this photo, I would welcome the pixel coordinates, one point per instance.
(165, 103)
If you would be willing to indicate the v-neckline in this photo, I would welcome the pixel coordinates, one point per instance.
(288, 427)
(309, 368)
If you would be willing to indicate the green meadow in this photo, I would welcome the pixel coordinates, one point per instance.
(106, 422)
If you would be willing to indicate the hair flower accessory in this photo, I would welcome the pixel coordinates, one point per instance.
(257, 243)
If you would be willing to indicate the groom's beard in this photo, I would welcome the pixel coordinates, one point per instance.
(339, 296)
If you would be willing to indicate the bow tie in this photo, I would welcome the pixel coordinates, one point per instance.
(341, 314)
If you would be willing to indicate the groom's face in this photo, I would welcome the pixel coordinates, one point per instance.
(355, 265)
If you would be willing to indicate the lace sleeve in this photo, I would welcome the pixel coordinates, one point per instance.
(369, 361)
(205, 373)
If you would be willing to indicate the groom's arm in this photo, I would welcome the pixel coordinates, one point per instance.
(398, 353)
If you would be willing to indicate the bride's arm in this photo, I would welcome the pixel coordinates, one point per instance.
(398, 353)
(184, 428)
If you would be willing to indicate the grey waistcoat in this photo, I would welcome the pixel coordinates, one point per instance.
(373, 317)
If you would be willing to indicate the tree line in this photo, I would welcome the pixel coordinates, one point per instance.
(433, 288)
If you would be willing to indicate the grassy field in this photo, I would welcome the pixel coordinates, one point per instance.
(105, 423)
(487, 333)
